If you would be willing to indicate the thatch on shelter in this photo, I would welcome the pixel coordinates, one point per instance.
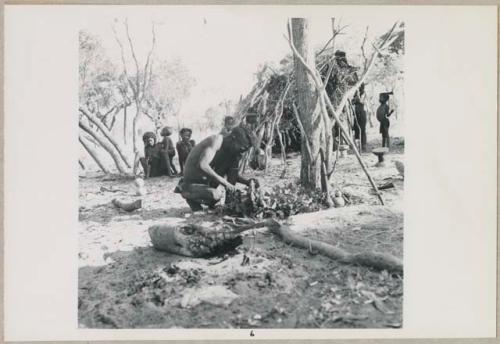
(270, 104)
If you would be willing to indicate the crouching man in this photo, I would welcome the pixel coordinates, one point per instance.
(213, 162)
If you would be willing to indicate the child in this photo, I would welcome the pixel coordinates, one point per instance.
(383, 115)
(168, 151)
(184, 146)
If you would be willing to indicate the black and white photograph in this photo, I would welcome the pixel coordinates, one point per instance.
(241, 171)
(236, 172)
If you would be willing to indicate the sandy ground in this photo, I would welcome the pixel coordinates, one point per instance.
(125, 283)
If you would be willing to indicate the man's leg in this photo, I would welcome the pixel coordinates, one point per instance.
(356, 131)
(198, 194)
(171, 158)
(166, 164)
(195, 206)
(363, 138)
(181, 163)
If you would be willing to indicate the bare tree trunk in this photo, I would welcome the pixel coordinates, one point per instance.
(134, 138)
(113, 120)
(307, 100)
(93, 154)
(268, 148)
(283, 153)
(106, 133)
(125, 125)
(107, 146)
(282, 145)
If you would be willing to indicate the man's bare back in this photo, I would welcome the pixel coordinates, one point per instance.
(209, 164)
(201, 155)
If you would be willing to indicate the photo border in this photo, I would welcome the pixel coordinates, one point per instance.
(251, 2)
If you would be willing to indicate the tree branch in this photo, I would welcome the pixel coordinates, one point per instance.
(149, 58)
(336, 31)
(93, 154)
(106, 133)
(302, 130)
(132, 50)
(363, 49)
(122, 53)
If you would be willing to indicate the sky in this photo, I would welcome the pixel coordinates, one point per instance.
(223, 46)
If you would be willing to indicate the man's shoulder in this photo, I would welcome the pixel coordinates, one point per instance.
(213, 139)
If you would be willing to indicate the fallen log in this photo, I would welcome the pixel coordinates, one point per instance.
(192, 240)
(379, 261)
(129, 207)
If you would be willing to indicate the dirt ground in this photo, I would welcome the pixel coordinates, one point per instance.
(125, 283)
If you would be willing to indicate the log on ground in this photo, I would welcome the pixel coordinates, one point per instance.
(379, 261)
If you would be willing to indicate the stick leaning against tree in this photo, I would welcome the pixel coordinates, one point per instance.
(325, 100)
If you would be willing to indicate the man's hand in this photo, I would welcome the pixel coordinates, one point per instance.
(230, 187)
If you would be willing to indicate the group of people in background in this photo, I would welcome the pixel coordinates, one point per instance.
(215, 160)
(158, 157)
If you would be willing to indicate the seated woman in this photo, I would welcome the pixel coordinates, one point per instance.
(151, 162)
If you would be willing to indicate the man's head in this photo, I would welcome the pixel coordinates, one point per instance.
(251, 118)
(149, 139)
(166, 131)
(186, 134)
(362, 89)
(228, 122)
(383, 97)
(341, 59)
(240, 140)
(356, 99)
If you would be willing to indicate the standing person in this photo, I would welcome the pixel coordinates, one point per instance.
(383, 114)
(168, 152)
(213, 162)
(229, 124)
(184, 146)
(359, 121)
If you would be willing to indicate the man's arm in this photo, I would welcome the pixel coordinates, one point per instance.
(242, 180)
